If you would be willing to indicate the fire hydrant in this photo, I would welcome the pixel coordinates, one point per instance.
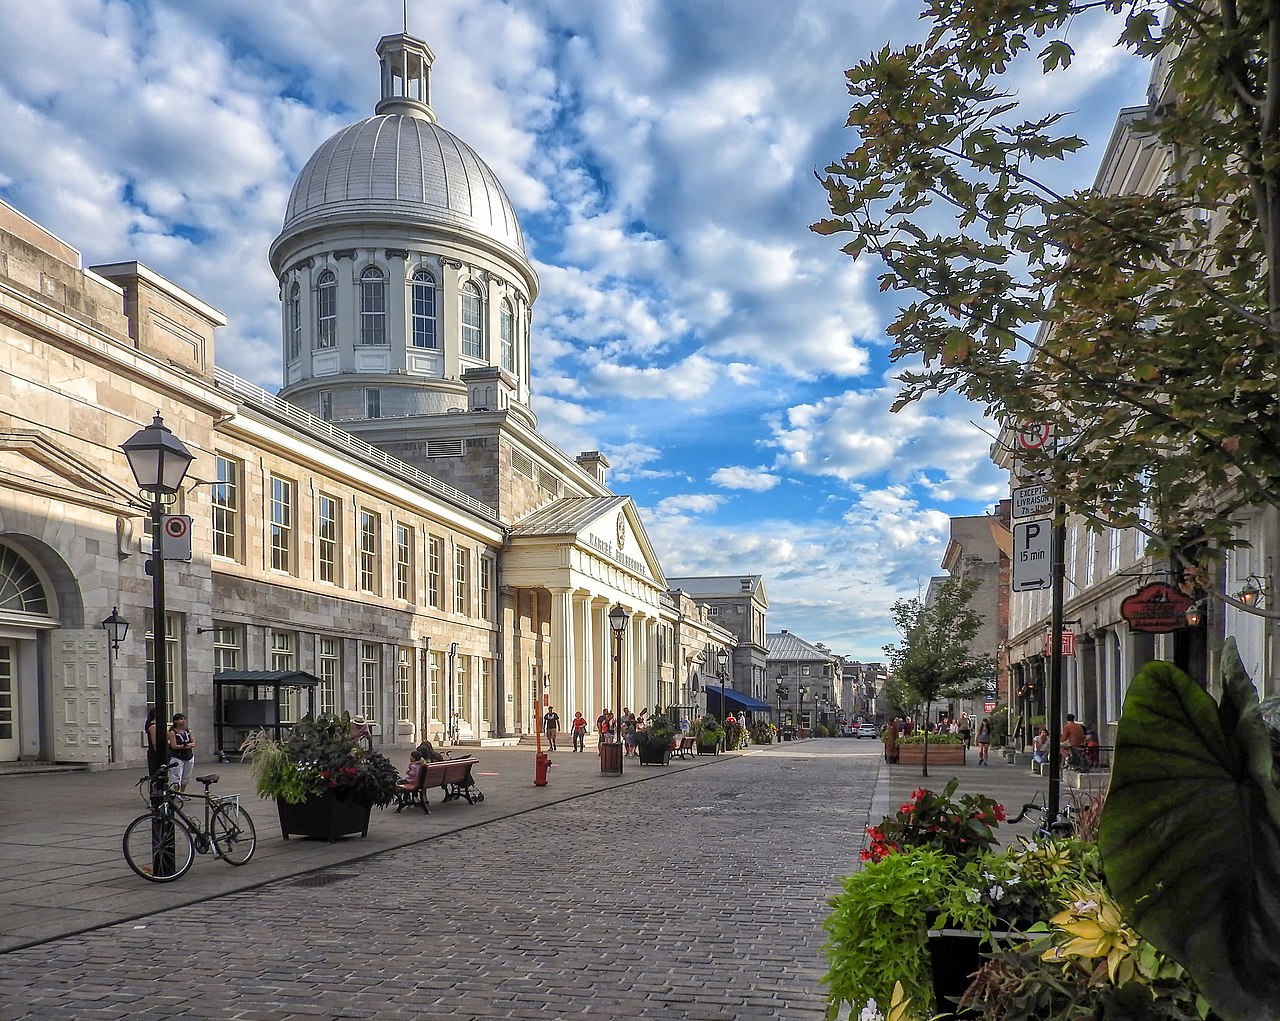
(540, 766)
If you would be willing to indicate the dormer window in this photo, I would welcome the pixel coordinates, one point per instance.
(472, 322)
(373, 307)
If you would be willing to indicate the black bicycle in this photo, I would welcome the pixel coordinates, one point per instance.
(1057, 829)
(162, 844)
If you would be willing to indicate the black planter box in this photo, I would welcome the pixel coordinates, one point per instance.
(324, 818)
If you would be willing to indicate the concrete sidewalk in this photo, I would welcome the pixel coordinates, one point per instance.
(1012, 786)
(62, 869)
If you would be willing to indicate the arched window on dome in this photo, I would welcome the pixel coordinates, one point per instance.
(327, 311)
(507, 336)
(472, 322)
(424, 310)
(373, 307)
(294, 319)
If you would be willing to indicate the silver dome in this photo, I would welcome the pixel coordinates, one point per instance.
(406, 168)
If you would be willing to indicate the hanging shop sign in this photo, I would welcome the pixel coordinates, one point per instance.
(1156, 609)
(1068, 643)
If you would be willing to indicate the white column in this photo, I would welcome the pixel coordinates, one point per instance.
(583, 690)
(562, 649)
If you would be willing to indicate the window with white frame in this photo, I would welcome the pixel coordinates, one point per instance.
(294, 319)
(424, 309)
(434, 680)
(462, 674)
(329, 670)
(329, 539)
(435, 572)
(283, 644)
(326, 311)
(486, 682)
(404, 684)
(472, 321)
(507, 336)
(226, 508)
(370, 673)
(175, 685)
(227, 646)
(404, 562)
(486, 587)
(324, 405)
(1090, 551)
(373, 307)
(281, 524)
(461, 580)
(372, 402)
(1113, 550)
(370, 549)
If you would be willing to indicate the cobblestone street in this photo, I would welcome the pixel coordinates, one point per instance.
(697, 894)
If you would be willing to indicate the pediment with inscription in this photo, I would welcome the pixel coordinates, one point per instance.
(31, 461)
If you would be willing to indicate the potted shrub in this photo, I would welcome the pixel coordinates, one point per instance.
(944, 749)
(655, 743)
(708, 733)
(323, 782)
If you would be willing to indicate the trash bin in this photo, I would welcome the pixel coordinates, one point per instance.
(611, 758)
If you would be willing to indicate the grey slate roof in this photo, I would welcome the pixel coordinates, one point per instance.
(784, 645)
(566, 516)
(723, 585)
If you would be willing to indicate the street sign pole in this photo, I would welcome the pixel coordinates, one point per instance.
(1058, 573)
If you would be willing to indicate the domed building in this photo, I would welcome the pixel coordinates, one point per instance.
(402, 267)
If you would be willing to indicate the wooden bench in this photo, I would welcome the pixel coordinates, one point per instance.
(686, 746)
(453, 776)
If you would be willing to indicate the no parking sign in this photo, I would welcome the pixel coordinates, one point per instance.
(176, 543)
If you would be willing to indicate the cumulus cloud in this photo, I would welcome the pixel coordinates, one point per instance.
(737, 477)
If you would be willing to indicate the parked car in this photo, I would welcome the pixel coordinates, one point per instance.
(867, 730)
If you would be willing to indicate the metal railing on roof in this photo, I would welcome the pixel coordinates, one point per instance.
(282, 410)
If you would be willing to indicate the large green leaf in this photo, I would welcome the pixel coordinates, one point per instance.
(1190, 835)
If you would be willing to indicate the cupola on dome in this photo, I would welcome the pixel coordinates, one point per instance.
(401, 165)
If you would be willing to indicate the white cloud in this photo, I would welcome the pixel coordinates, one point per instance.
(736, 477)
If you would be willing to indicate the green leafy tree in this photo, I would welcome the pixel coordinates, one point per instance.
(1153, 318)
(935, 659)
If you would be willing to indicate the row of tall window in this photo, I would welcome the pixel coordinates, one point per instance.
(445, 584)
(440, 697)
(424, 320)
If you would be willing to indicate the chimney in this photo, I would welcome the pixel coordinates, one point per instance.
(594, 464)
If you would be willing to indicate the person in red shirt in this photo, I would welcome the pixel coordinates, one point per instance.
(1072, 738)
(579, 732)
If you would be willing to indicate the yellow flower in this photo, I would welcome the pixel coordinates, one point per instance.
(1097, 930)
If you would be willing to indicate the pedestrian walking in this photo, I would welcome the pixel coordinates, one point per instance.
(550, 725)
(579, 732)
(984, 740)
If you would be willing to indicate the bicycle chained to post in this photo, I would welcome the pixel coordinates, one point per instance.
(161, 845)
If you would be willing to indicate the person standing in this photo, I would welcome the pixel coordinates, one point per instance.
(1072, 738)
(984, 741)
(965, 730)
(551, 724)
(579, 732)
(891, 742)
(182, 753)
(149, 738)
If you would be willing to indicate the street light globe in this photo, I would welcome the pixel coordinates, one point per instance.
(722, 657)
(618, 618)
(157, 458)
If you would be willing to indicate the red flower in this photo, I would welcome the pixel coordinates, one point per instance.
(1000, 816)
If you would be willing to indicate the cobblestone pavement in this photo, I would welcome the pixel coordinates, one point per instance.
(699, 894)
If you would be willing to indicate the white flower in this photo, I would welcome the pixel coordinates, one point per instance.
(996, 891)
(871, 1012)
(1084, 907)
(972, 896)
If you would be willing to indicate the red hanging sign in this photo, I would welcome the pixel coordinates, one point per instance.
(1156, 609)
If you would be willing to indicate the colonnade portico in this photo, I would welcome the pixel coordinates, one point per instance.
(580, 675)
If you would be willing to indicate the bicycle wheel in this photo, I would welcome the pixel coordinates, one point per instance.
(158, 847)
(233, 835)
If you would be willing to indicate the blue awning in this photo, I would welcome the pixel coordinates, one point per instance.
(737, 700)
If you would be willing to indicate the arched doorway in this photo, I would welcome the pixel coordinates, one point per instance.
(22, 599)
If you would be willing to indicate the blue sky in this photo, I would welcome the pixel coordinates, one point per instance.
(731, 364)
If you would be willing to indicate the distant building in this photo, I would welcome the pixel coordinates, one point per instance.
(738, 604)
(810, 675)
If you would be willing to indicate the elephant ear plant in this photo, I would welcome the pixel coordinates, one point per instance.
(1190, 834)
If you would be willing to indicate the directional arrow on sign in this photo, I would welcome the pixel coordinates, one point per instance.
(1032, 555)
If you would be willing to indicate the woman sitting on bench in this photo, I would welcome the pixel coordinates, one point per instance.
(428, 753)
(410, 780)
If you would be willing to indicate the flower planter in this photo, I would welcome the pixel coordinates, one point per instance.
(654, 754)
(709, 749)
(324, 818)
(939, 754)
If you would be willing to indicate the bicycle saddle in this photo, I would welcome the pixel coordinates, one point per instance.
(208, 779)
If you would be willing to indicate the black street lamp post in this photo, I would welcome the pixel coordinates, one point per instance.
(722, 658)
(611, 751)
(159, 462)
(778, 691)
